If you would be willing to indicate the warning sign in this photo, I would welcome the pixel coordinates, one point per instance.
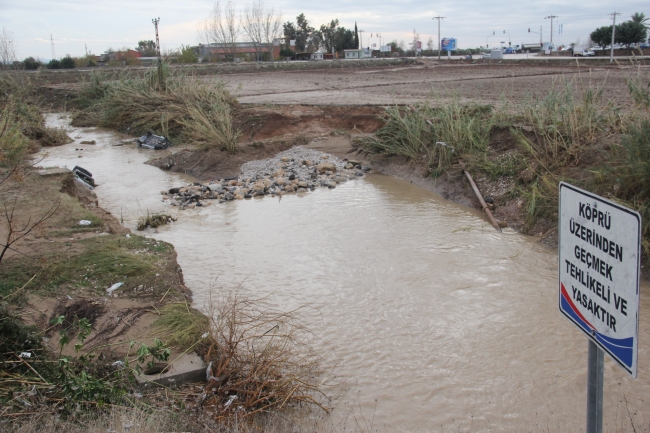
(599, 254)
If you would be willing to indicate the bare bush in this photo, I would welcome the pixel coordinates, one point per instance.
(260, 361)
(7, 48)
(262, 26)
(222, 27)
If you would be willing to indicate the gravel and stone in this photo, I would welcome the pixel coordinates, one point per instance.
(297, 170)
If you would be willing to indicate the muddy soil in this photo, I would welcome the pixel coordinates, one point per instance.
(268, 130)
(55, 290)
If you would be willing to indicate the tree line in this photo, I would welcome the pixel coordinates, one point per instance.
(629, 32)
(329, 37)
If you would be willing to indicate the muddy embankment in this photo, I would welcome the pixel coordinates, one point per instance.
(72, 258)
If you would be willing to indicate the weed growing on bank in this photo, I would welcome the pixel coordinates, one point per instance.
(153, 220)
(572, 134)
(21, 121)
(260, 360)
(184, 108)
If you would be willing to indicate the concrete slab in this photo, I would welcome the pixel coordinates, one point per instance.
(187, 368)
(54, 171)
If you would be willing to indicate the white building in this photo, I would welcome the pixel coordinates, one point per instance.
(355, 54)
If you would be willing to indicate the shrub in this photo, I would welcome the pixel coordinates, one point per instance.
(54, 64)
(187, 55)
(31, 64)
(67, 63)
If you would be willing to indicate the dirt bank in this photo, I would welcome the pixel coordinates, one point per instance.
(73, 265)
(267, 130)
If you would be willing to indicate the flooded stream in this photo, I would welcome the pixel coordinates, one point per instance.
(437, 320)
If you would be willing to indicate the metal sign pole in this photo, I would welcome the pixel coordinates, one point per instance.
(595, 375)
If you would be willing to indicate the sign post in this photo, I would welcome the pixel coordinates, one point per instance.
(599, 270)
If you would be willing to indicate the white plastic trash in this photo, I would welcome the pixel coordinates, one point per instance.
(113, 288)
(84, 223)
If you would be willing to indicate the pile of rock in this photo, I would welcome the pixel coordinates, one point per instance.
(297, 170)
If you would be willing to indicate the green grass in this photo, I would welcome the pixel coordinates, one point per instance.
(105, 260)
(181, 326)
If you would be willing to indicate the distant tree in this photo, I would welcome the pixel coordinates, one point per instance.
(67, 62)
(326, 35)
(221, 27)
(7, 48)
(289, 31)
(356, 36)
(416, 39)
(54, 64)
(304, 34)
(31, 64)
(430, 44)
(631, 32)
(187, 55)
(261, 25)
(146, 48)
(602, 36)
(639, 17)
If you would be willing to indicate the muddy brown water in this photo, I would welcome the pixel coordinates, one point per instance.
(437, 321)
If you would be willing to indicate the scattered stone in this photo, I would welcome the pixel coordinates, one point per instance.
(288, 172)
(324, 167)
(89, 142)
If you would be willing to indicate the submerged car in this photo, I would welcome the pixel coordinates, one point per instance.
(84, 176)
(156, 142)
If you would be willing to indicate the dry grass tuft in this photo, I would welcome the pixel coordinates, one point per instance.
(184, 108)
(261, 361)
(154, 220)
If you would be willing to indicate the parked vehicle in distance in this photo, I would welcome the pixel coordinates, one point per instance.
(597, 47)
(583, 53)
(509, 51)
(644, 45)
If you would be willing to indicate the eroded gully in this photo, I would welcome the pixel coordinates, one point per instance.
(437, 321)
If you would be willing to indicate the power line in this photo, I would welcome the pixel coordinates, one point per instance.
(439, 42)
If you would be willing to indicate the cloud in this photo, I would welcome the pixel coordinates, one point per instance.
(100, 24)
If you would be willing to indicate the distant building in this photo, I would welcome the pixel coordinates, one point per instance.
(355, 54)
(316, 56)
(246, 50)
(119, 56)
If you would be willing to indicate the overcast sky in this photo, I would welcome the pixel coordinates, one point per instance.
(100, 24)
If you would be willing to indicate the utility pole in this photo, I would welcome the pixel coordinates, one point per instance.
(360, 38)
(52, 41)
(439, 42)
(86, 45)
(155, 22)
(487, 46)
(551, 17)
(611, 52)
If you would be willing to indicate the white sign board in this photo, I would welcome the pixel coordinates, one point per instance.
(599, 258)
(385, 49)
